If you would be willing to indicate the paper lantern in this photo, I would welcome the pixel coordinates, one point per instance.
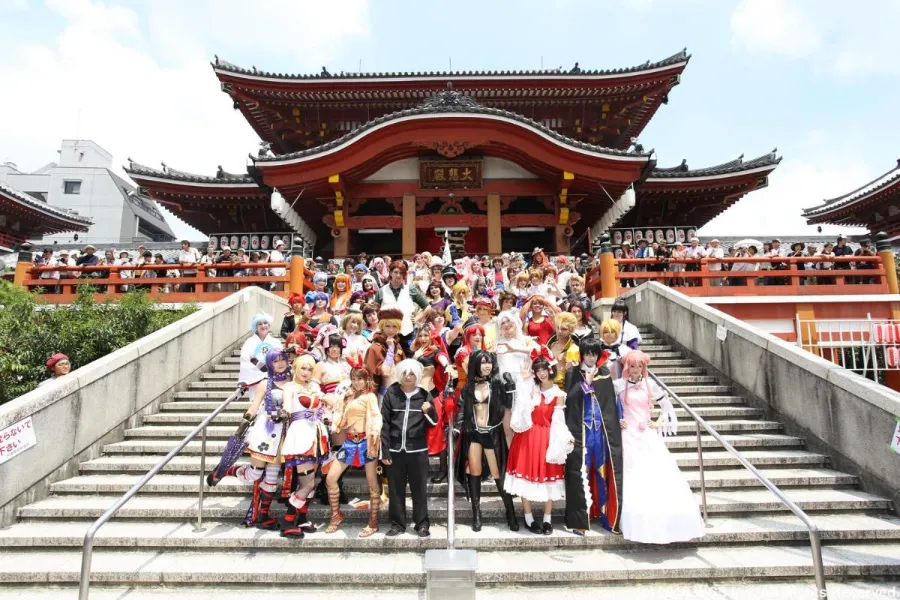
(892, 354)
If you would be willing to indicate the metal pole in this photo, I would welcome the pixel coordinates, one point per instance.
(199, 526)
(451, 492)
(702, 475)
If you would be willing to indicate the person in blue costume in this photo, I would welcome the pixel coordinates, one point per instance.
(593, 473)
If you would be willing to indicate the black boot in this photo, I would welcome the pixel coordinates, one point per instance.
(510, 511)
(475, 497)
(441, 477)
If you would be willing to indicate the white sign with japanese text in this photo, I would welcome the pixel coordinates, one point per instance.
(895, 440)
(16, 439)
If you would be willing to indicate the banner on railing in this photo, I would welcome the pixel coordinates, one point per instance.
(633, 236)
(250, 242)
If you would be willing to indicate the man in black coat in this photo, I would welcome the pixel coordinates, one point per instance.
(594, 467)
(406, 412)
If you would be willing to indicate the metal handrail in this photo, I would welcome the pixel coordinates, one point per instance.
(88, 546)
(814, 537)
(451, 492)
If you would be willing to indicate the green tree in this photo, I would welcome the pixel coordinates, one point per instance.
(30, 331)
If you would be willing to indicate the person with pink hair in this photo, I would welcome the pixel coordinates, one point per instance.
(658, 506)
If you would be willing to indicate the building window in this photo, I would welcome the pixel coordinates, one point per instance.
(71, 187)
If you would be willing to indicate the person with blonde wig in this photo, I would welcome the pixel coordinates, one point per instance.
(564, 346)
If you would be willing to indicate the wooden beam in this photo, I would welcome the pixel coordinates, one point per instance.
(409, 224)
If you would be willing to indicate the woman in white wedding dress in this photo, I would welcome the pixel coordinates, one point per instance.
(658, 506)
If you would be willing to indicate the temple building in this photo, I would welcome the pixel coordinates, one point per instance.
(25, 217)
(875, 205)
(391, 163)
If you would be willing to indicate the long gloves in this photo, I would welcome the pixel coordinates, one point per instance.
(667, 424)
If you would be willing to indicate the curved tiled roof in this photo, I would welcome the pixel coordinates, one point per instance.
(874, 186)
(675, 59)
(221, 177)
(53, 211)
(733, 166)
(449, 102)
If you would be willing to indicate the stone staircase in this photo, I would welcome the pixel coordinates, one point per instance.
(752, 540)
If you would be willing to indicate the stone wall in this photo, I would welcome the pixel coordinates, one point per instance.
(75, 416)
(839, 413)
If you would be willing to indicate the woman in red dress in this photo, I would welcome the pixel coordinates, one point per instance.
(528, 474)
(537, 324)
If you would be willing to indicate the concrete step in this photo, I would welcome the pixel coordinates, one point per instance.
(691, 390)
(217, 397)
(148, 506)
(144, 442)
(221, 535)
(655, 346)
(223, 431)
(768, 589)
(230, 375)
(189, 462)
(663, 371)
(508, 567)
(657, 355)
(176, 413)
(167, 483)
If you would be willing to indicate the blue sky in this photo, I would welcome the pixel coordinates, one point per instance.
(813, 78)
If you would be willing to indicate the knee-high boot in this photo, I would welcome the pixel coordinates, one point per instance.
(266, 520)
(289, 527)
(374, 506)
(510, 511)
(337, 517)
(475, 496)
(441, 477)
(253, 512)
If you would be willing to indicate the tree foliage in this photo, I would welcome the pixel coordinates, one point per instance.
(31, 331)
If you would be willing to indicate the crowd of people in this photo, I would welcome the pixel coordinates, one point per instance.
(681, 258)
(377, 364)
(240, 263)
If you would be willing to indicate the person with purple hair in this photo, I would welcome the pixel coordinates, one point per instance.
(264, 436)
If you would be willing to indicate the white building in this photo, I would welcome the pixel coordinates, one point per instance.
(82, 180)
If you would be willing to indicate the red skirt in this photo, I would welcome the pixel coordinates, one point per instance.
(434, 435)
(528, 474)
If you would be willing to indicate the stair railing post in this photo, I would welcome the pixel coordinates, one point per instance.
(702, 474)
(199, 527)
(451, 492)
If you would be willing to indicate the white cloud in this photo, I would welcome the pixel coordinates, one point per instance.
(98, 80)
(836, 38)
(774, 26)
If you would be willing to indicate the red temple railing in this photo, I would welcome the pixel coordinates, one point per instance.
(111, 281)
(781, 276)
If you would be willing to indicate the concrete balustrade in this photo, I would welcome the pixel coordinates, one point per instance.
(841, 414)
(92, 406)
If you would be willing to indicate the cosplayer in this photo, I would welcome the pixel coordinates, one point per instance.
(594, 467)
(293, 316)
(436, 297)
(320, 315)
(333, 369)
(406, 413)
(630, 336)
(340, 299)
(564, 346)
(395, 293)
(254, 351)
(305, 444)
(584, 327)
(484, 316)
(370, 320)
(514, 358)
(385, 350)
(458, 309)
(650, 472)
(537, 324)
(264, 436)
(357, 344)
(437, 371)
(529, 474)
(482, 401)
(611, 343)
(359, 420)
